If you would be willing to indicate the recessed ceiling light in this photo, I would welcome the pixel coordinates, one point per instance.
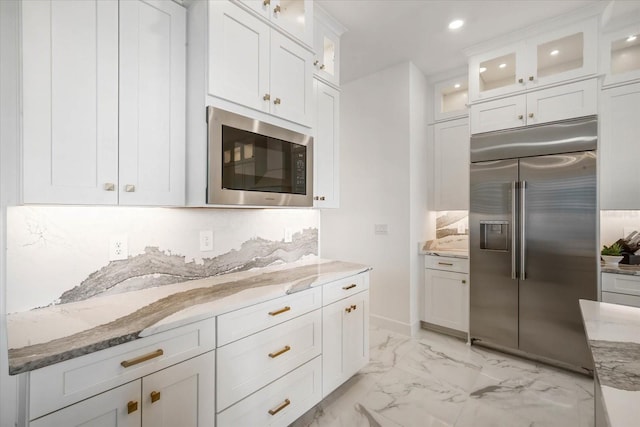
(483, 69)
(554, 52)
(456, 86)
(631, 38)
(455, 24)
(503, 65)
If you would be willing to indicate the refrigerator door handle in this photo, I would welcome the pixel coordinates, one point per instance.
(523, 187)
(514, 234)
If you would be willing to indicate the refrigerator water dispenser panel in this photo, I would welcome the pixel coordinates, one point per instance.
(494, 235)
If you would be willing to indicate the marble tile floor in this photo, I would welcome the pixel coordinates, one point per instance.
(433, 380)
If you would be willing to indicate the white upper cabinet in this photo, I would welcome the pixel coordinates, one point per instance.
(326, 146)
(103, 122)
(621, 56)
(451, 168)
(451, 98)
(152, 103)
(552, 57)
(619, 149)
(293, 16)
(326, 44)
(70, 101)
(255, 66)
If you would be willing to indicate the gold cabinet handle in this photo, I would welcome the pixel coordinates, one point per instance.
(109, 186)
(530, 78)
(132, 406)
(530, 115)
(322, 67)
(445, 263)
(280, 407)
(277, 101)
(129, 188)
(520, 80)
(321, 197)
(351, 286)
(155, 396)
(464, 281)
(279, 352)
(277, 9)
(520, 116)
(266, 97)
(143, 358)
(348, 309)
(353, 307)
(266, 2)
(282, 310)
(316, 198)
(315, 63)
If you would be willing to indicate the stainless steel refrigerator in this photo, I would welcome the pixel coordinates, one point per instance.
(533, 243)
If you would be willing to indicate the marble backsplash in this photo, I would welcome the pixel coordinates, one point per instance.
(57, 255)
(452, 231)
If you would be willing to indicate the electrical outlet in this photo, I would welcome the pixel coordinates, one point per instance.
(461, 228)
(118, 247)
(288, 235)
(381, 228)
(206, 240)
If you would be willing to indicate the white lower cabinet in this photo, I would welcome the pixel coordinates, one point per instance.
(621, 289)
(180, 395)
(446, 293)
(345, 340)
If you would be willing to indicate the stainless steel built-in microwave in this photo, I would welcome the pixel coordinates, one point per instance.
(257, 164)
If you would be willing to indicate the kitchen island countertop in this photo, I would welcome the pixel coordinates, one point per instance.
(613, 332)
(48, 335)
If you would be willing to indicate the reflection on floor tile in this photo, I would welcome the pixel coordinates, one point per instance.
(434, 380)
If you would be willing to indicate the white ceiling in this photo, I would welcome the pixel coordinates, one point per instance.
(381, 33)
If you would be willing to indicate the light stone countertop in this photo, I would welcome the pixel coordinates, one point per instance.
(613, 332)
(48, 335)
(428, 248)
(630, 270)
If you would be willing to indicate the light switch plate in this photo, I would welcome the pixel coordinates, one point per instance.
(206, 240)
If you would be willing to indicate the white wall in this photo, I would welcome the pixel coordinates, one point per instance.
(379, 174)
(9, 133)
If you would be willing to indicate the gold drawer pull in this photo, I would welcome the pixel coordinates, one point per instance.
(155, 396)
(279, 352)
(348, 309)
(132, 406)
(353, 307)
(280, 407)
(144, 358)
(351, 286)
(445, 263)
(282, 310)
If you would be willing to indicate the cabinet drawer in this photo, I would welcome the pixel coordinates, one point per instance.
(295, 393)
(459, 265)
(343, 288)
(621, 283)
(246, 365)
(62, 384)
(244, 322)
(631, 300)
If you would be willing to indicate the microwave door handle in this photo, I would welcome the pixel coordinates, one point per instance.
(523, 234)
(514, 235)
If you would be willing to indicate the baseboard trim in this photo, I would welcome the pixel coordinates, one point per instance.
(392, 325)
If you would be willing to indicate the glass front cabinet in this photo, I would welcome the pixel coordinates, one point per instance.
(621, 56)
(541, 60)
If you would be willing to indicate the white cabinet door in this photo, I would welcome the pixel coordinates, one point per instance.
(497, 72)
(181, 395)
(503, 113)
(119, 407)
(345, 340)
(152, 103)
(292, 16)
(619, 148)
(446, 299)
(291, 80)
(451, 157)
(562, 102)
(326, 162)
(238, 56)
(70, 101)
(326, 44)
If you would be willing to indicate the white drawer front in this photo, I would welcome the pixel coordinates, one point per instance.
(343, 288)
(459, 265)
(246, 365)
(246, 321)
(62, 384)
(295, 393)
(621, 283)
(631, 300)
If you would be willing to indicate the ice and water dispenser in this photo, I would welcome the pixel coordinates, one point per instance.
(494, 235)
